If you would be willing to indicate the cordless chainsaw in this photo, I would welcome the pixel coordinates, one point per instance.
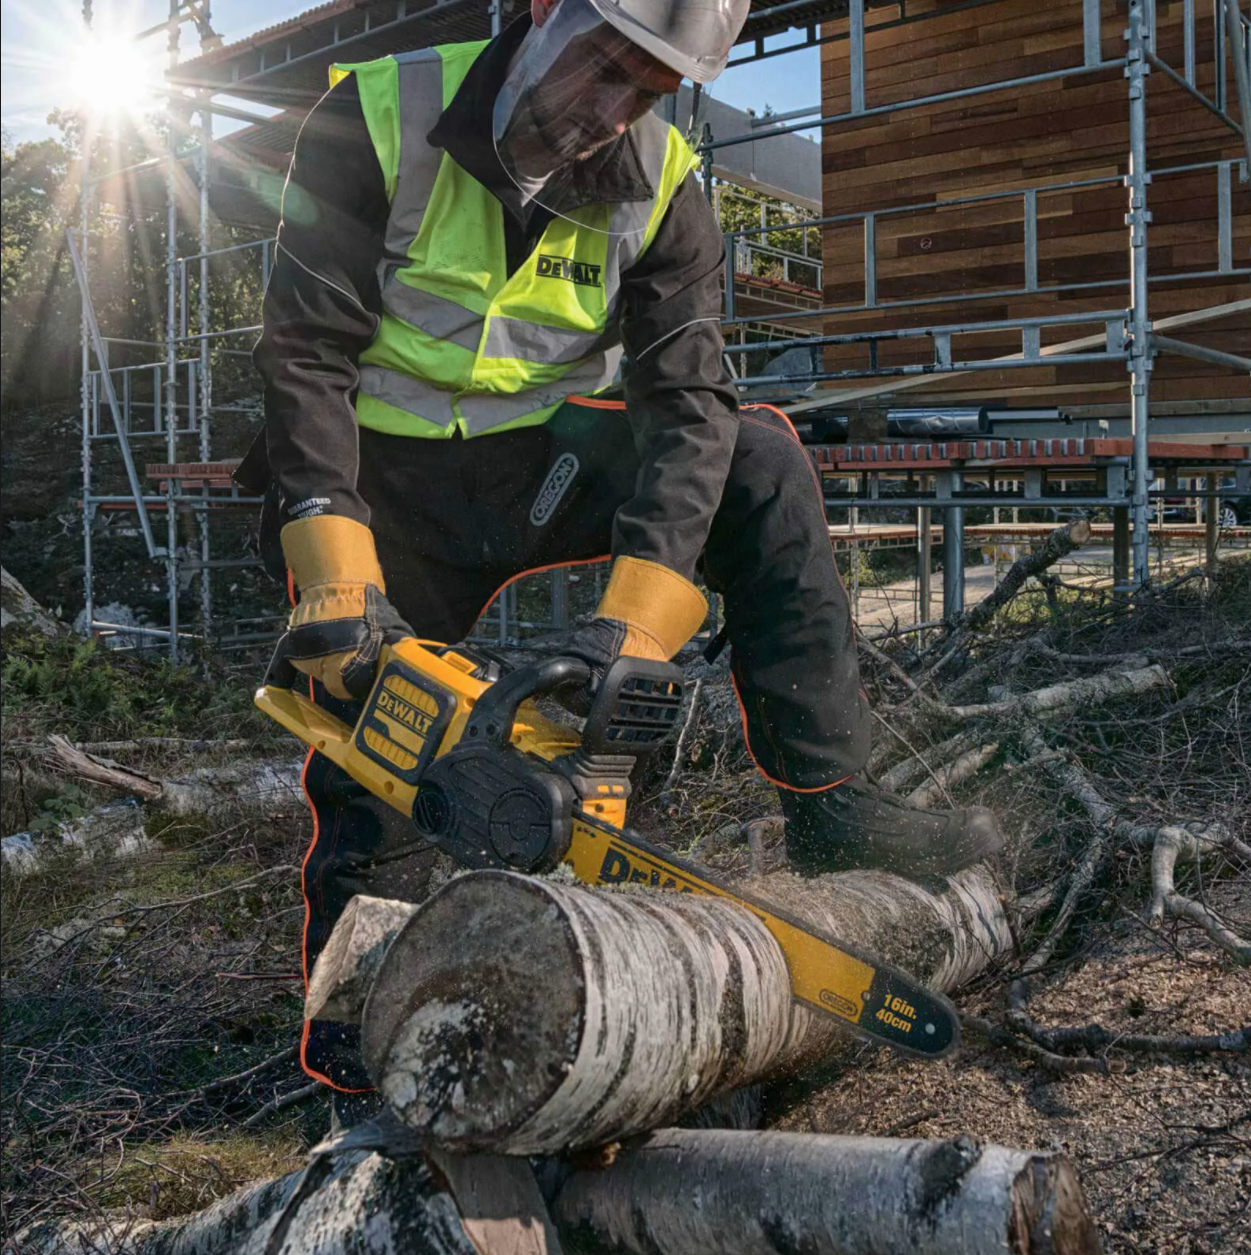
(452, 738)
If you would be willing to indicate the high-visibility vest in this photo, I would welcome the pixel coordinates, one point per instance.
(462, 345)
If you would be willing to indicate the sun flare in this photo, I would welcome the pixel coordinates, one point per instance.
(112, 76)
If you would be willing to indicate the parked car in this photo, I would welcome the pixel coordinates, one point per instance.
(1233, 511)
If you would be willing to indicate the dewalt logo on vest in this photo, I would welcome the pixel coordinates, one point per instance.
(580, 272)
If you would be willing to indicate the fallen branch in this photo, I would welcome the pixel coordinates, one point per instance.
(696, 689)
(1093, 1037)
(1166, 844)
(266, 786)
(1063, 1065)
(1056, 698)
(181, 744)
(960, 768)
(917, 764)
(250, 1074)
(303, 1094)
(1058, 545)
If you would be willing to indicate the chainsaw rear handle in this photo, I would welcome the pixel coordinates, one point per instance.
(320, 639)
(495, 712)
(281, 672)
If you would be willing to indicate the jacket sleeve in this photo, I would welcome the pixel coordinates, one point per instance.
(680, 400)
(322, 307)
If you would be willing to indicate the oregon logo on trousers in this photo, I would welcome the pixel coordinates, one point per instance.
(554, 488)
(580, 272)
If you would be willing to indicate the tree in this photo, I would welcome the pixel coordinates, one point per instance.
(38, 300)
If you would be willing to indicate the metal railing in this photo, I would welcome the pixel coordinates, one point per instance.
(1129, 335)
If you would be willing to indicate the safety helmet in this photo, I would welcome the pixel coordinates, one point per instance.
(693, 37)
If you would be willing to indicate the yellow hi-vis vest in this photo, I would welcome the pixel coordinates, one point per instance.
(463, 346)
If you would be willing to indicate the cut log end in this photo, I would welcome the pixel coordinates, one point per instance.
(346, 968)
(1049, 1212)
(464, 977)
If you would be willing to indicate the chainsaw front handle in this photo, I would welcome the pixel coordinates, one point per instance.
(495, 712)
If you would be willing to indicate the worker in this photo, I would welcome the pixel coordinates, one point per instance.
(472, 238)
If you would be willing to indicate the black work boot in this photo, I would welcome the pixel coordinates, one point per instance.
(857, 824)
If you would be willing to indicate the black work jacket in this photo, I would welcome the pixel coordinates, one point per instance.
(323, 307)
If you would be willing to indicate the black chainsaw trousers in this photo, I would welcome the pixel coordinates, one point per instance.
(455, 520)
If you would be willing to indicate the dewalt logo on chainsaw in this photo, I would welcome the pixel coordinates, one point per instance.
(582, 273)
(626, 866)
(404, 721)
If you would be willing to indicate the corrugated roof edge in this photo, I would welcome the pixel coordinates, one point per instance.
(302, 20)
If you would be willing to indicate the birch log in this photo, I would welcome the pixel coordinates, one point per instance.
(359, 1202)
(265, 786)
(528, 1016)
(686, 1193)
(677, 1192)
(346, 968)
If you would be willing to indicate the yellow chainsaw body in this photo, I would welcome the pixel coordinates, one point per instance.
(419, 709)
(392, 738)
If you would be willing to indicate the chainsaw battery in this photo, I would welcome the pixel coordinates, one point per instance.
(404, 720)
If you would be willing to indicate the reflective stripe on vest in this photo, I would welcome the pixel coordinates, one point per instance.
(462, 345)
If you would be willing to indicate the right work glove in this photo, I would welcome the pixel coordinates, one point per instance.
(647, 611)
(337, 629)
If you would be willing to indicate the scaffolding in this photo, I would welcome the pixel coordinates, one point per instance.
(773, 292)
(1122, 335)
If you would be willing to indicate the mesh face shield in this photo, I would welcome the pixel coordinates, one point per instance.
(576, 84)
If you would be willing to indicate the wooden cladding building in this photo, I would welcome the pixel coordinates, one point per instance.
(1071, 129)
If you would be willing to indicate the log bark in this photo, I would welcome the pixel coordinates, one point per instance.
(677, 1192)
(527, 1016)
(115, 830)
(347, 967)
(684, 1193)
(19, 609)
(358, 1202)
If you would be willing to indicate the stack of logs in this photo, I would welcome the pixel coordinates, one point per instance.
(531, 1035)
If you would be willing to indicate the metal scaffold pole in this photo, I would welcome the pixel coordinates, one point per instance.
(206, 363)
(1139, 325)
(89, 600)
(170, 389)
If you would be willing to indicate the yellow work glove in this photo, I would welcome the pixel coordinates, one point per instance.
(337, 628)
(659, 610)
(647, 611)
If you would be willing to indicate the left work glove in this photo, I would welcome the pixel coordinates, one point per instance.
(337, 629)
(647, 611)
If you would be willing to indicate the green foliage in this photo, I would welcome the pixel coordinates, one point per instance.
(739, 209)
(70, 803)
(78, 688)
(38, 306)
(39, 300)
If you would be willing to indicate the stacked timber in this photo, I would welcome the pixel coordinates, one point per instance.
(512, 1016)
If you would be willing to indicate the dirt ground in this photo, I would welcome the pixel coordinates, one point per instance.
(1163, 1147)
